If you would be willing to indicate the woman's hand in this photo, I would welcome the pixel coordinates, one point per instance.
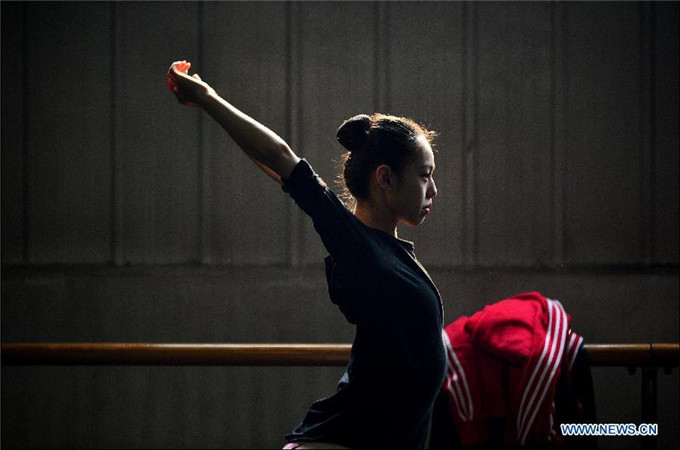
(189, 90)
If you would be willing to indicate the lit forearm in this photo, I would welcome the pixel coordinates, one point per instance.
(260, 143)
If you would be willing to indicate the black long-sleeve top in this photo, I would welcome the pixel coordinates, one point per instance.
(397, 363)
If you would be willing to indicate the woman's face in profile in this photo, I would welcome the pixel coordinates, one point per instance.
(415, 187)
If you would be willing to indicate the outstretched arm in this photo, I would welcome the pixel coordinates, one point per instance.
(269, 151)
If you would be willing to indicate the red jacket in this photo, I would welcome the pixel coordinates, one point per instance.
(503, 363)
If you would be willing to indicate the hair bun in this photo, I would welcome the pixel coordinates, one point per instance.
(353, 132)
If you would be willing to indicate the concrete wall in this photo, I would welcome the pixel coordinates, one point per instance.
(126, 217)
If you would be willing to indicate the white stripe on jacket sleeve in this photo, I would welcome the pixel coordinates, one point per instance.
(544, 371)
(456, 383)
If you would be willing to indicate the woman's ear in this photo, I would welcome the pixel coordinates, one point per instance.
(384, 177)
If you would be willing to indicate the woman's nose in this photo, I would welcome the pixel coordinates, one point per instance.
(432, 189)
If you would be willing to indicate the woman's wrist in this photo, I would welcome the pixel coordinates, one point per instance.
(212, 103)
(208, 98)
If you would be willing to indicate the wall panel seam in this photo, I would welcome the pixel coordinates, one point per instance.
(201, 163)
(646, 132)
(557, 137)
(470, 128)
(115, 197)
(294, 61)
(26, 167)
(382, 59)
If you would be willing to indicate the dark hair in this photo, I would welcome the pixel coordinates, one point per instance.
(372, 141)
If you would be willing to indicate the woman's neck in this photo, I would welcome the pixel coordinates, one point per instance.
(375, 217)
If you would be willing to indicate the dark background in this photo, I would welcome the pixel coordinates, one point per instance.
(127, 217)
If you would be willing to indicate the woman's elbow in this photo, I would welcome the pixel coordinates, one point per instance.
(283, 160)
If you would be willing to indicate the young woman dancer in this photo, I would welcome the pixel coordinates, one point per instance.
(397, 363)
